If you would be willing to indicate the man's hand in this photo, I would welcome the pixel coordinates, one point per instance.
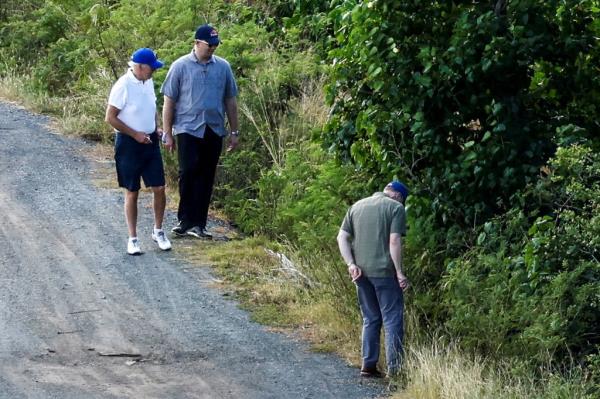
(168, 141)
(233, 142)
(142, 138)
(355, 272)
(403, 281)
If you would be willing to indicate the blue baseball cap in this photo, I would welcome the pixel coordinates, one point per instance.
(208, 34)
(146, 56)
(400, 188)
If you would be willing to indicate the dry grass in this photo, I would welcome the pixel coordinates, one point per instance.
(280, 128)
(14, 88)
(277, 296)
(438, 371)
(81, 115)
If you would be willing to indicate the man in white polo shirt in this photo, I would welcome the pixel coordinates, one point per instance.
(131, 111)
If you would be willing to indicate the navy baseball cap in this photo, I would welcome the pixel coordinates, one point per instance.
(146, 56)
(400, 188)
(208, 34)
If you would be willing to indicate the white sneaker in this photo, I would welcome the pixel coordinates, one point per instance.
(161, 239)
(133, 247)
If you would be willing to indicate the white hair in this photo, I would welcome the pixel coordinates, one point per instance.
(393, 194)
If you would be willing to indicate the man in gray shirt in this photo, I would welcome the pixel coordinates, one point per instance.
(199, 90)
(370, 241)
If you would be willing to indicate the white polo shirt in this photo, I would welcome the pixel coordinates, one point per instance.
(136, 101)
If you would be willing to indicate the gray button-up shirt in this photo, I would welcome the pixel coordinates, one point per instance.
(199, 92)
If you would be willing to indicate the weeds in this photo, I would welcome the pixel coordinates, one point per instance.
(81, 115)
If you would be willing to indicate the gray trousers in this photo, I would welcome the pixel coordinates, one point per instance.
(381, 303)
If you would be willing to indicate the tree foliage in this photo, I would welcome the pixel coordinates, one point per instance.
(535, 286)
(465, 99)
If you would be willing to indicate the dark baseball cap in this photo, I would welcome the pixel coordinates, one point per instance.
(208, 34)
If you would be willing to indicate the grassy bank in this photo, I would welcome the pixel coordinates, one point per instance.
(280, 291)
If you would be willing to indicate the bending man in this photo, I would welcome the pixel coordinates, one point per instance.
(370, 241)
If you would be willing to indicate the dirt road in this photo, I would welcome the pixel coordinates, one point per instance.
(81, 319)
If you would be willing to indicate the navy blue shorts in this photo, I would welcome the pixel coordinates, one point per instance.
(135, 161)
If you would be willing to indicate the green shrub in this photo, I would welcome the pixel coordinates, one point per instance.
(463, 99)
(532, 287)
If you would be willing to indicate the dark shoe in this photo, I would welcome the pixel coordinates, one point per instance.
(206, 234)
(180, 230)
(198, 232)
(371, 372)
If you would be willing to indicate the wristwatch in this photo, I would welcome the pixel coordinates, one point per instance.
(235, 133)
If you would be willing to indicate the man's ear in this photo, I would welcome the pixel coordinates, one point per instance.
(398, 197)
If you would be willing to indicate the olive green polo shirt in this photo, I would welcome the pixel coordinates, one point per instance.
(370, 222)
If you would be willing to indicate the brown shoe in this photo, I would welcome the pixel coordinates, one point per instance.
(371, 372)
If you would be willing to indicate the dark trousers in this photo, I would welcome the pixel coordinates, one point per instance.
(198, 160)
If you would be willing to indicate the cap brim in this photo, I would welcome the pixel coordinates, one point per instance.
(157, 64)
(213, 41)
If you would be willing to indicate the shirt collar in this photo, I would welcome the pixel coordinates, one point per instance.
(132, 77)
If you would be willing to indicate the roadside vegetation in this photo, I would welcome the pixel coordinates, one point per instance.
(488, 110)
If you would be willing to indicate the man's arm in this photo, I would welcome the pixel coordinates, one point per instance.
(397, 258)
(167, 116)
(343, 239)
(231, 108)
(112, 119)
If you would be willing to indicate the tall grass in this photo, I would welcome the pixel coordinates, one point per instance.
(17, 88)
(439, 371)
(80, 114)
(290, 122)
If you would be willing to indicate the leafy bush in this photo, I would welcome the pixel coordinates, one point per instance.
(532, 289)
(461, 98)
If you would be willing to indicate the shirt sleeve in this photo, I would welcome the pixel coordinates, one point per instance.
(118, 96)
(347, 223)
(398, 221)
(170, 86)
(231, 89)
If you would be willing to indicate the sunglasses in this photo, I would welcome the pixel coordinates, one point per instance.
(209, 45)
